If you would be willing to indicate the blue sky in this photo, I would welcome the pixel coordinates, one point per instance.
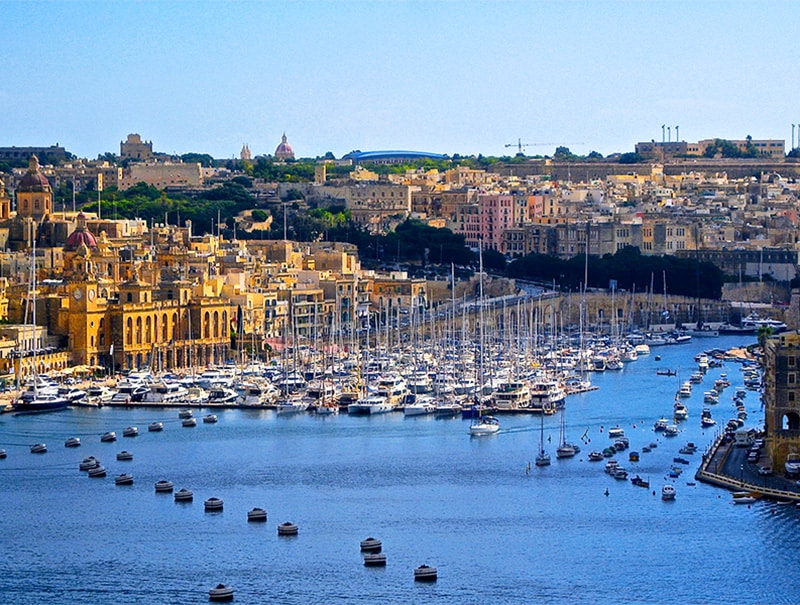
(447, 77)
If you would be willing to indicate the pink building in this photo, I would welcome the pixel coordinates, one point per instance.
(497, 215)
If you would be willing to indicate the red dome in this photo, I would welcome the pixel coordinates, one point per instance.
(78, 237)
(284, 150)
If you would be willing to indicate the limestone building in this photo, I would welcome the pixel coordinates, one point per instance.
(782, 396)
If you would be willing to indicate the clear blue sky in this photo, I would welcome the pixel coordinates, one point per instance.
(447, 77)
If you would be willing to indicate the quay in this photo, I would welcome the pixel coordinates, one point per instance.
(725, 465)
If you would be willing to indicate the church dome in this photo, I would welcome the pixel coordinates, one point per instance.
(33, 181)
(81, 235)
(284, 151)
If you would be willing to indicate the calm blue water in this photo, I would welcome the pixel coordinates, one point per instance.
(429, 491)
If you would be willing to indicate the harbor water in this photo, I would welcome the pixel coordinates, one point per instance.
(497, 528)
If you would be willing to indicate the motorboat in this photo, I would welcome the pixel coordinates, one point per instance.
(220, 593)
(639, 482)
(620, 473)
(184, 495)
(130, 431)
(98, 472)
(671, 430)
(287, 529)
(164, 486)
(680, 411)
(666, 372)
(184, 414)
(166, 393)
(108, 437)
(616, 432)
(189, 422)
(124, 455)
(39, 448)
(72, 442)
(129, 391)
(39, 402)
(73, 395)
(486, 425)
(421, 406)
(123, 479)
(210, 419)
(668, 492)
(97, 395)
(661, 424)
(374, 559)
(425, 573)
(633, 457)
(595, 456)
(155, 427)
(88, 463)
(257, 515)
(213, 504)
(371, 545)
(370, 405)
(293, 405)
(685, 390)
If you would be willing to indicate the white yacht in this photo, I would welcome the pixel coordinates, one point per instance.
(512, 395)
(422, 405)
(547, 395)
(370, 405)
(167, 393)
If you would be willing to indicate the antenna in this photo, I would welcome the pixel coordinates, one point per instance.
(663, 140)
(677, 138)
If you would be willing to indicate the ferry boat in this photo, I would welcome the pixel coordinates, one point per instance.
(547, 395)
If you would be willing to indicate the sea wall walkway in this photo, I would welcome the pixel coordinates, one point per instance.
(723, 458)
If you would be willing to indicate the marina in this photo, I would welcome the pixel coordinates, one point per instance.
(419, 482)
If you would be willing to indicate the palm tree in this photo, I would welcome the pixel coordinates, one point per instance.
(763, 334)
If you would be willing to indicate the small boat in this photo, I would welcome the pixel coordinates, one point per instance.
(661, 372)
(595, 456)
(155, 427)
(220, 593)
(680, 460)
(287, 529)
(633, 457)
(72, 442)
(646, 449)
(425, 573)
(213, 503)
(671, 431)
(616, 432)
(89, 463)
(98, 471)
(124, 455)
(639, 482)
(487, 425)
(123, 479)
(183, 414)
(620, 473)
(668, 492)
(39, 448)
(210, 418)
(661, 424)
(189, 422)
(257, 515)
(3, 454)
(184, 495)
(374, 559)
(108, 437)
(745, 497)
(371, 545)
(164, 486)
(130, 431)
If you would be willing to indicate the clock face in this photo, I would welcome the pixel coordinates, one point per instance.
(90, 294)
(77, 294)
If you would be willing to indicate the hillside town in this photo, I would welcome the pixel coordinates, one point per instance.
(84, 288)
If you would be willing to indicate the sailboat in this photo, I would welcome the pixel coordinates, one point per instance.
(542, 458)
(564, 450)
(484, 425)
(40, 396)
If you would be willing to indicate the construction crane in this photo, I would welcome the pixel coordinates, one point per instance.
(520, 145)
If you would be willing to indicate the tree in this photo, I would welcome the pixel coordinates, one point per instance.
(494, 260)
(630, 157)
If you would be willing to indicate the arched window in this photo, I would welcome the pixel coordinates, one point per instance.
(138, 333)
(206, 325)
(101, 331)
(175, 326)
(148, 330)
(164, 328)
(216, 324)
(129, 331)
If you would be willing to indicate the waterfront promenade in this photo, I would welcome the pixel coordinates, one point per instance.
(725, 465)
